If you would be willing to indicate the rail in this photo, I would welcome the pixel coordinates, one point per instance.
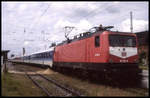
(37, 84)
(68, 90)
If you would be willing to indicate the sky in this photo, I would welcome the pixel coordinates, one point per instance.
(35, 25)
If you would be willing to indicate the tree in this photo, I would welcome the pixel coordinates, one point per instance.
(142, 56)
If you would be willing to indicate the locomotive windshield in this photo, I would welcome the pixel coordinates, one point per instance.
(122, 40)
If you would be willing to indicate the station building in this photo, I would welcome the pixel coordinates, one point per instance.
(4, 54)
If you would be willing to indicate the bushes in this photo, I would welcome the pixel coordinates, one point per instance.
(142, 58)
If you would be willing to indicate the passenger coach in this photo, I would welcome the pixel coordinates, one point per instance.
(44, 57)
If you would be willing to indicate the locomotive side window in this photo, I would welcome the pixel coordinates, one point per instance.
(97, 41)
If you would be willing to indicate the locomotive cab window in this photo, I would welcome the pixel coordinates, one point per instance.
(97, 41)
(122, 41)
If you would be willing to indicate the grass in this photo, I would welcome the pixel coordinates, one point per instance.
(89, 88)
(18, 85)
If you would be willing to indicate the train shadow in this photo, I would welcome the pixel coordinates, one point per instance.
(112, 81)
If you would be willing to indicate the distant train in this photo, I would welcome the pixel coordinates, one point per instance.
(98, 50)
(43, 57)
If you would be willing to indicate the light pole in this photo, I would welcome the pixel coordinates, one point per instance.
(131, 22)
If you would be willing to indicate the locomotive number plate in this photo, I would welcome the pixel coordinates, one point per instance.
(123, 61)
(97, 54)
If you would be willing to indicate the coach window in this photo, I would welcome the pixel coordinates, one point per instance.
(46, 55)
(50, 54)
(97, 41)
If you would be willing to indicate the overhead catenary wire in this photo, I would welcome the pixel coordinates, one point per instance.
(21, 26)
(90, 13)
(93, 11)
(86, 17)
(38, 20)
(98, 11)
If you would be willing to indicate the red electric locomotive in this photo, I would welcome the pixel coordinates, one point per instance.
(99, 50)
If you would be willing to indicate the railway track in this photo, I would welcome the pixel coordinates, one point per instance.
(64, 89)
(52, 85)
(37, 84)
(61, 88)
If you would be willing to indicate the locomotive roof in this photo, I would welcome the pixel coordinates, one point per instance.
(89, 34)
(79, 37)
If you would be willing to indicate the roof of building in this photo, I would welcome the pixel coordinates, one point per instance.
(4, 51)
